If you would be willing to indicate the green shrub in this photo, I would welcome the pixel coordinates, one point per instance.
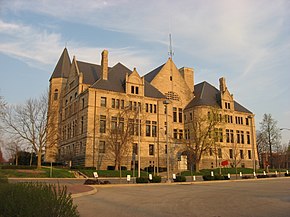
(141, 180)
(208, 178)
(219, 177)
(156, 179)
(180, 179)
(36, 199)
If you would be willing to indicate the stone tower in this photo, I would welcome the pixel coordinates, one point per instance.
(57, 84)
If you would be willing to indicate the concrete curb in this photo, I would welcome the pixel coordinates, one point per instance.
(185, 183)
(94, 191)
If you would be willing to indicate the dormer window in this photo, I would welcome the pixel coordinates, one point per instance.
(134, 89)
(228, 105)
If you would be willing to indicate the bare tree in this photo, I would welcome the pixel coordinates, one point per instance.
(270, 135)
(204, 135)
(13, 147)
(28, 122)
(120, 135)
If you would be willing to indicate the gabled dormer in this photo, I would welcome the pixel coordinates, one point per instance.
(226, 98)
(134, 83)
(74, 76)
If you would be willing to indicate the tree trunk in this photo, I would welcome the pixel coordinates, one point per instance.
(197, 166)
(39, 155)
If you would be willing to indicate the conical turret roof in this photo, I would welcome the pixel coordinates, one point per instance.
(62, 67)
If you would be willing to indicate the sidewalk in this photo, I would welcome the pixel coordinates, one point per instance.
(80, 190)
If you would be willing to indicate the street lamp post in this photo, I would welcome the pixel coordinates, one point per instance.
(166, 102)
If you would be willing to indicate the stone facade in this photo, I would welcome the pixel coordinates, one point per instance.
(89, 98)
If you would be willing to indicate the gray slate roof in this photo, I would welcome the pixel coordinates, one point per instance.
(62, 67)
(206, 94)
(116, 79)
(151, 75)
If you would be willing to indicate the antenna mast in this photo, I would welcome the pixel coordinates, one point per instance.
(170, 53)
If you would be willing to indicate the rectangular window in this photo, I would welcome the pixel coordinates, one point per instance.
(248, 138)
(165, 148)
(231, 153)
(114, 124)
(137, 90)
(241, 154)
(180, 115)
(147, 107)
(155, 109)
(154, 128)
(151, 149)
(103, 102)
(102, 147)
(117, 103)
(151, 108)
(113, 103)
(132, 89)
(174, 114)
(148, 128)
(247, 121)
(180, 134)
(232, 136)
(249, 154)
(102, 124)
(228, 135)
(238, 137)
(242, 137)
(175, 133)
(121, 124)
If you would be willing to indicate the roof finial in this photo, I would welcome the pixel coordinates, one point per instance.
(170, 52)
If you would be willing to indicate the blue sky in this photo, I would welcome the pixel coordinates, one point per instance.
(246, 41)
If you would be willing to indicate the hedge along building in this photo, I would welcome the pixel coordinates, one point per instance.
(89, 98)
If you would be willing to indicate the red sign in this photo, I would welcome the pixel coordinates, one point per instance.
(225, 163)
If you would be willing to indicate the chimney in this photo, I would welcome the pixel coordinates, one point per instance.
(223, 85)
(188, 75)
(104, 65)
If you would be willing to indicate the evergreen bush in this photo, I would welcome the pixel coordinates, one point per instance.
(180, 179)
(156, 179)
(36, 199)
(141, 180)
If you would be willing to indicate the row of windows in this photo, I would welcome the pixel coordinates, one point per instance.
(232, 154)
(70, 130)
(151, 108)
(69, 151)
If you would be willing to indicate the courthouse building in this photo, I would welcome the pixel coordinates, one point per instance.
(86, 100)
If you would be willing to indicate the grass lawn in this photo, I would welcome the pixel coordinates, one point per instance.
(34, 173)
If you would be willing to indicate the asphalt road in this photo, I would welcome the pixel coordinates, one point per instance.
(269, 197)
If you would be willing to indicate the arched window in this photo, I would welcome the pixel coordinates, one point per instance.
(55, 95)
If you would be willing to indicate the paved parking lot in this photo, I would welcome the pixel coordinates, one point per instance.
(269, 197)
